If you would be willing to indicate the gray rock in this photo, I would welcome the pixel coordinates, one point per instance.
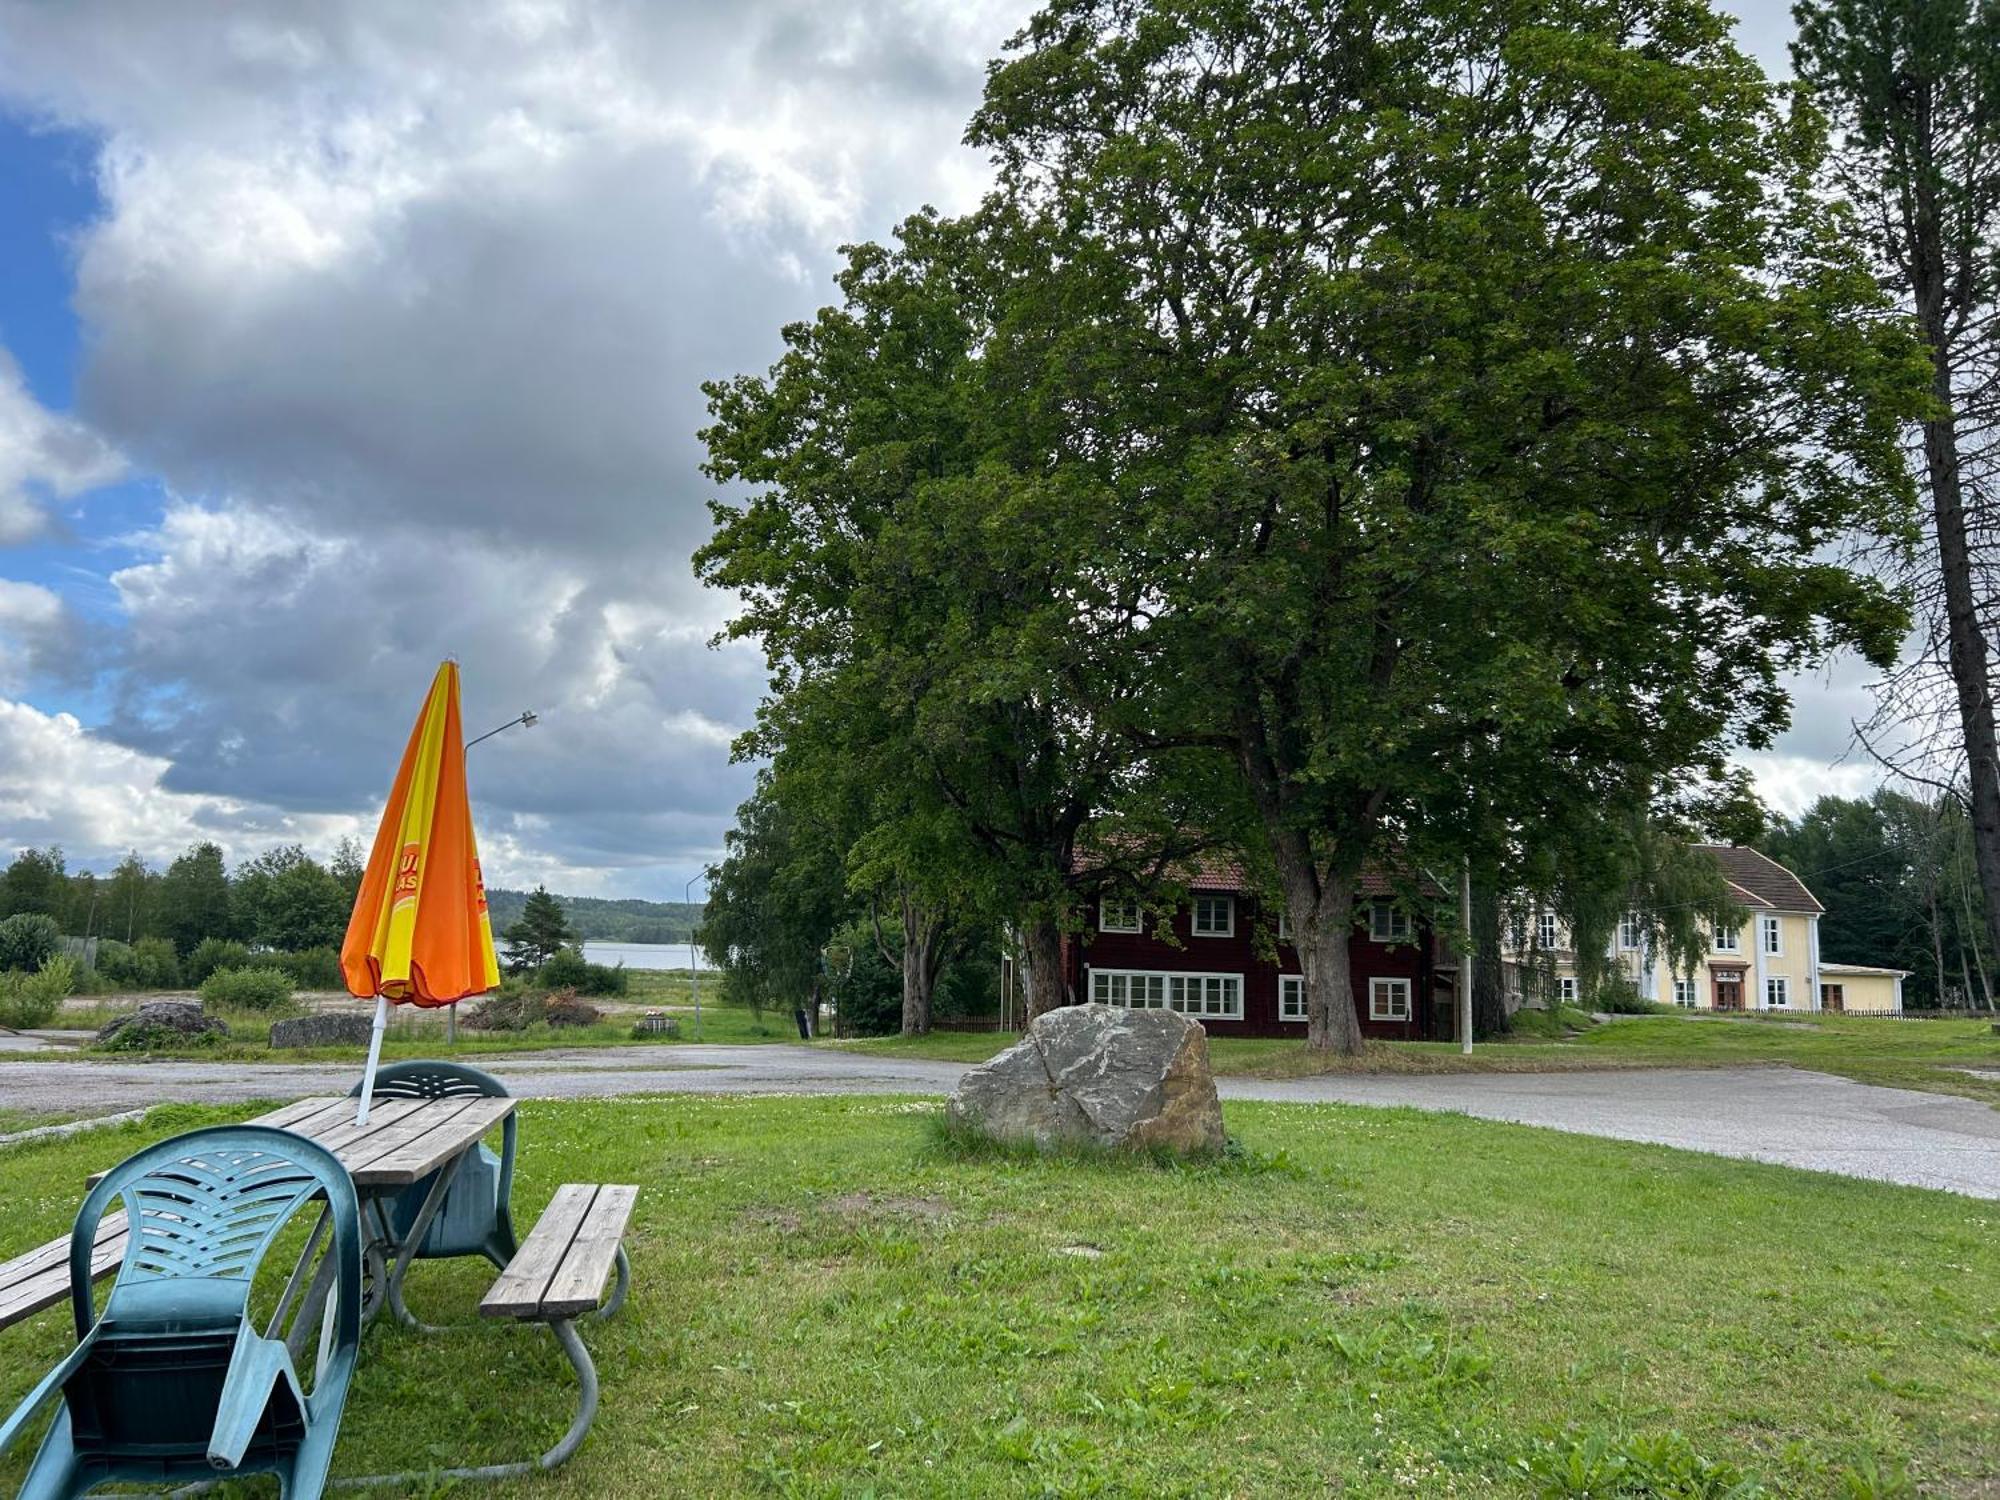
(182, 1017)
(333, 1028)
(1101, 1075)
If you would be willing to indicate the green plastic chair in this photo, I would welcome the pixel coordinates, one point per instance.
(173, 1384)
(477, 1217)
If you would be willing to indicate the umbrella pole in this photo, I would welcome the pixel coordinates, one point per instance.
(374, 1057)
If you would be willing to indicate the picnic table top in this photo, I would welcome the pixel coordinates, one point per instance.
(404, 1139)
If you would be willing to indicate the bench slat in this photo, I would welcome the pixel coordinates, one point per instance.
(578, 1284)
(561, 1268)
(443, 1137)
(40, 1278)
(518, 1291)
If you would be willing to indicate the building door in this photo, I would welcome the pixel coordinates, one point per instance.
(1833, 997)
(1729, 992)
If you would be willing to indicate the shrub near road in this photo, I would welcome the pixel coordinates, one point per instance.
(829, 1300)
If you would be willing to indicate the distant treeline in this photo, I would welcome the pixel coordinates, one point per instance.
(599, 919)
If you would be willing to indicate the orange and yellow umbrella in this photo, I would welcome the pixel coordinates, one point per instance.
(420, 934)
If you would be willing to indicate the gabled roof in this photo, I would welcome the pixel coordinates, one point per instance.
(1216, 870)
(1759, 881)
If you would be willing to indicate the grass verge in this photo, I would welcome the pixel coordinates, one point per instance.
(832, 1299)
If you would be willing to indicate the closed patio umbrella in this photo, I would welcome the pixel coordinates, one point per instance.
(419, 934)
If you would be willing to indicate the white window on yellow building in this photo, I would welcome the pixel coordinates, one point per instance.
(1631, 931)
(1771, 936)
(1727, 939)
(1777, 993)
(1545, 929)
(1566, 990)
(1684, 994)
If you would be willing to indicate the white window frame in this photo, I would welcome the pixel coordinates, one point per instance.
(1545, 930)
(1777, 992)
(1726, 939)
(1566, 989)
(1687, 994)
(1770, 936)
(1202, 995)
(1284, 925)
(1122, 904)
(1394, 987)
(1194, 916)
(1388, 923)
(1291, 997)
(1631, 932)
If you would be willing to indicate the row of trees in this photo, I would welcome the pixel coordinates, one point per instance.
(283, 899)
(1400, 433)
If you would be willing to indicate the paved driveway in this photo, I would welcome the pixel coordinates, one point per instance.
(1779, 1115)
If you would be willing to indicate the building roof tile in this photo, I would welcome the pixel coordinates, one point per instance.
(1761, 880)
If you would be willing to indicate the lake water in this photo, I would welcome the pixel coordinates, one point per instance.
(643, 955)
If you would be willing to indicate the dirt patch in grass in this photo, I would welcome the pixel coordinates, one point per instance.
(871, 1205)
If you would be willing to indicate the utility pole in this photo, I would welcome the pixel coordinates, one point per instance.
(1465, 958)
(526, 720)
(694, 969)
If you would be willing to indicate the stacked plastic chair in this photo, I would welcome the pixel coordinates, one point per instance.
(173, 1384)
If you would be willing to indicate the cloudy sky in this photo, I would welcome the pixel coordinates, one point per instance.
(336, 339)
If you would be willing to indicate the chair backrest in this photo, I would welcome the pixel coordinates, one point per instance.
(205, 1206)
(427, 1078)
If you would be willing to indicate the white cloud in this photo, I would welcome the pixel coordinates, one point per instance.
(410, 307)
(43, 457)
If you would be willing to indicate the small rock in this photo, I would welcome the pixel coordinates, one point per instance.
(183, 1017)
(1101, 1075)
(329, 1029)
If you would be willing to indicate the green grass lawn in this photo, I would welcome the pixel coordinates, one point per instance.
(1918, 1054)
(834, 1300)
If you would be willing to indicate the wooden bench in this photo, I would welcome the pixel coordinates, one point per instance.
(39, 1279)
(558, 1275)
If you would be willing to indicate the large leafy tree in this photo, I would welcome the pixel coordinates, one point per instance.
(194, 898)
(1913, 91)
(919, 580)
(35, 883)
(1451, 372)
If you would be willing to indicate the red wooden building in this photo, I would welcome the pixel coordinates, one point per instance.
(1229, 964)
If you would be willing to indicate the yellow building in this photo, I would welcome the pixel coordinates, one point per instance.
(1771, 962)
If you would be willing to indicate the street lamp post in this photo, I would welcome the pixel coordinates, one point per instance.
(694, 969)
(526, 720)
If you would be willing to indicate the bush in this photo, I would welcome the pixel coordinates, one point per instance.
(213, 953)
(152, 1036)
(311, 969)
(248, 989)
(568, 969)
(150, 965)
(27, 941)
(1620, 997)
(28, 1000)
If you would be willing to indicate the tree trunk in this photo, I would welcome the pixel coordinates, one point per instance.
(1971, 672)
(1322, 913)
(922, 933)
(1489, 983)
(1041, 953)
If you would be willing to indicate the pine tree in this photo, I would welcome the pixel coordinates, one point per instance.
(542, 932)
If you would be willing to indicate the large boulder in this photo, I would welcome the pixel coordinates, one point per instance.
(1098, 1075)
(333, 1028)
(160, 1023)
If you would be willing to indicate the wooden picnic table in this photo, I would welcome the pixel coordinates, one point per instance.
(404, 1141)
